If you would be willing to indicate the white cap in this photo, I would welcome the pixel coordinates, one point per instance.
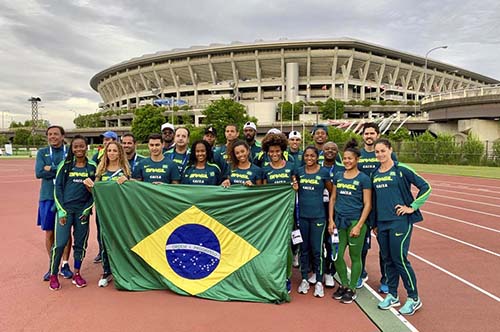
(167, 125)
(294, 134)
(250, 125)
(274, 131)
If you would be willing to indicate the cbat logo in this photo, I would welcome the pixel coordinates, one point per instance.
(318, 177)
(249, 173)
(355, 182)
(212, 173)
(164, 166)
(193, 251)
(392, 173)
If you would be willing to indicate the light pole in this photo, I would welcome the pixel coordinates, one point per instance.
(34, 113)
(425, 66)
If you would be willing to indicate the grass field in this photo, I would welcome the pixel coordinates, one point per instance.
(479, 171)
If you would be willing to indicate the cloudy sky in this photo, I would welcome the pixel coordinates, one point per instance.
(51, 49)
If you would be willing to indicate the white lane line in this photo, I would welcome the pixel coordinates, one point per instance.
(457, 240)
(469, 185)
(462, 193)
(462, 221)
(468, 283)
(465, 209)
(392, 310)
(466, 200)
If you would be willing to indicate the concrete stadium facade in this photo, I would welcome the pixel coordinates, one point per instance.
(262, 74)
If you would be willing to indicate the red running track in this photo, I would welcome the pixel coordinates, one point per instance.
(28, 304)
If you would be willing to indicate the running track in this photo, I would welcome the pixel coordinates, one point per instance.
(455, 253)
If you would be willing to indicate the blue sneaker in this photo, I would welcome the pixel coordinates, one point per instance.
(410, 306)
(361, 282)
(46, 276)
(66, 272)
(288, 286)
(384, 289)
(389, 302)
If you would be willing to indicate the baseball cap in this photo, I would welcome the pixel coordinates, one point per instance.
(274, 131)
(211, 130)
(294, 134)
(167, 125)
(110, 134)
(250, 124)
(320, 126)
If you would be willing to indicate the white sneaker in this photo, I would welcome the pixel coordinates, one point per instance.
(312, 279)
(105, 280)
(318, 290)
(303, 287)
(329, 281)
(295, 260)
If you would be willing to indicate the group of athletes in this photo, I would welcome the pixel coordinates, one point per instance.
(340, 201)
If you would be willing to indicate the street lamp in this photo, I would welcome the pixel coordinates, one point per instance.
(425, 66)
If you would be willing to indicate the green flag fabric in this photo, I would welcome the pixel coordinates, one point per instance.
(206, 241)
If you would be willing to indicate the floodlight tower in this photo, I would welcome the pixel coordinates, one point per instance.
(34, 113)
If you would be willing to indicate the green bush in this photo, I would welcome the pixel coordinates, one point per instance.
(472, 151)
(446, 150)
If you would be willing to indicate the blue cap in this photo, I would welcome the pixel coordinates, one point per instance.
(110, 134)
(320, 126)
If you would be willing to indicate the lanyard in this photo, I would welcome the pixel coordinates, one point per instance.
(133, 163)
(172, 156)
(51, 154)
(114, 174)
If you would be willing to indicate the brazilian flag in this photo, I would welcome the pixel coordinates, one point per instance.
(206, 241)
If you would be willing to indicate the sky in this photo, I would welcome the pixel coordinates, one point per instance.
(51, 49)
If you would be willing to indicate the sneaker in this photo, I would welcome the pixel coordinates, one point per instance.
(318, 290)
(337, 295)
(105, 280)
(410, 306)
(361, 282)
(78, 281)
(98, 258)
(66, 272)
(288, 286)
(312, 279)
(303, 287)
(46, 276)
(54, 282)
(295, 262)
(329, 281)
(349, 296)
(389, 302)
(384, 289)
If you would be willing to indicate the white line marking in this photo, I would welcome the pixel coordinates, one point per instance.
(393, 310)
(462, 221)
(468, 283)
(463, 193)
(468, 184)
(457, 240)
(461, 208)
(467, 200)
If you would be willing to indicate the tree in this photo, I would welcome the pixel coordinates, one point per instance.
(225, 111)
(147, 120)
(22, 137)
(332, 109)
(89, 120)
(3, 139)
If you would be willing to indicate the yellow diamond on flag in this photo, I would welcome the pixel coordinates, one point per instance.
(194, 251)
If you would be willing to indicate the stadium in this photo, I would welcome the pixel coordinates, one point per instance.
(262, 74)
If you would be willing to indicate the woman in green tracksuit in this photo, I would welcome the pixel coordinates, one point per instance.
(350, 203)
(396, 210)
(74, 204)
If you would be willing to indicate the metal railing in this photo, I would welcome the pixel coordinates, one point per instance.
(486, 90)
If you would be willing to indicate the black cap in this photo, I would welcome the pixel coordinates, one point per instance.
(211, 130)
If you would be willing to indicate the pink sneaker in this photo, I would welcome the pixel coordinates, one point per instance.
(54, 282)
(78, 281)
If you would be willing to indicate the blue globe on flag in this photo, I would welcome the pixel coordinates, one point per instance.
(193, 251)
